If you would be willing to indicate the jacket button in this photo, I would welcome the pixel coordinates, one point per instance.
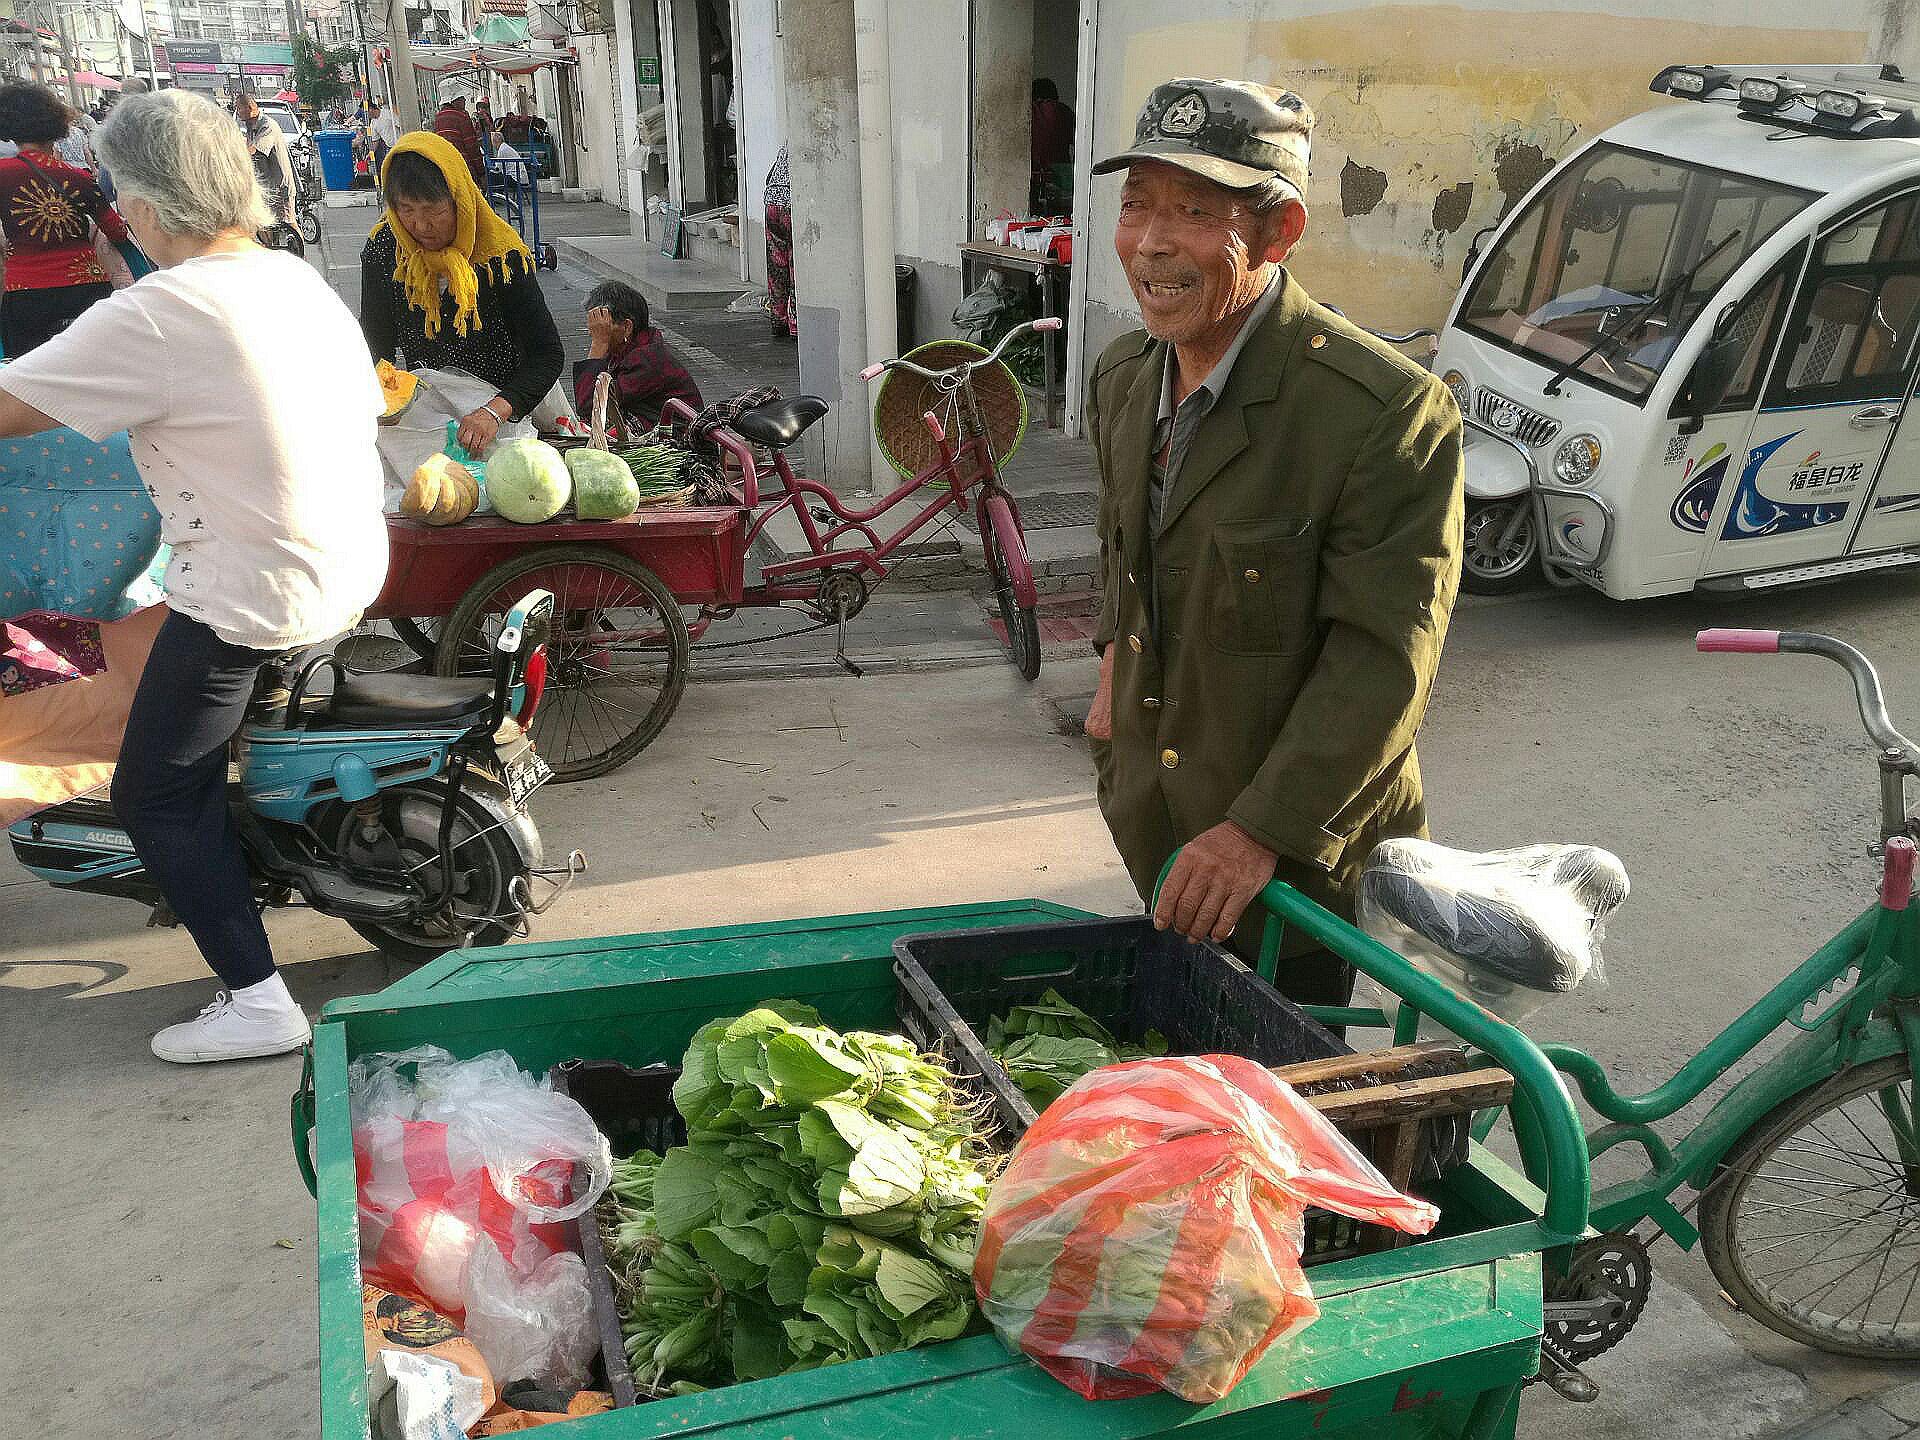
(1150, 703)
(1252, 577)
(1317, 342)
(1170, 759)
(1133, 643)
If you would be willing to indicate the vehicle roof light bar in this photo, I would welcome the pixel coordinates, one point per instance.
(1769, 95)
(1690, 82)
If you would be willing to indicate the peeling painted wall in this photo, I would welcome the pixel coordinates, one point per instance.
(1433, 119)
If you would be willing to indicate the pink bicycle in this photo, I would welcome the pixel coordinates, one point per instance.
(846, 556)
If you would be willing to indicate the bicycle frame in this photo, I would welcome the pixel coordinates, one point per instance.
(1855, 1000)
(965, 466)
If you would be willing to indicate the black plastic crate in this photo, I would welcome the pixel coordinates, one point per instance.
(634, 1110)
(1130, 977)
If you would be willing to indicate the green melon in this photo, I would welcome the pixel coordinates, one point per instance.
(603, 485)
(527, 480)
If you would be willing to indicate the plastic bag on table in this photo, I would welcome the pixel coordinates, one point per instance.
(537, 1326)
(1508, 929)
(1147, 1231)
(450, 1152)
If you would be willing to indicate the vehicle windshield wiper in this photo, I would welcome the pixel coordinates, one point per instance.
(1640, 312)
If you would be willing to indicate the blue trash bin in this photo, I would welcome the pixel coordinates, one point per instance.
(336, 158)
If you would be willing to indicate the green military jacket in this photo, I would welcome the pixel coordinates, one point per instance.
(1305, 571)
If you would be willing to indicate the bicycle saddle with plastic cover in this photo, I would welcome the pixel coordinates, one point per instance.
(1526, 916)
(778, 423)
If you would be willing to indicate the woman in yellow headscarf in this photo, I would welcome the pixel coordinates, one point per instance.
(447, 283)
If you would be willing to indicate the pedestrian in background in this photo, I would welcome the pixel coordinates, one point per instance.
(384, 127)
(1280, 533)
(49, 211)
(779, 203)
(453, 125)
(483, 122)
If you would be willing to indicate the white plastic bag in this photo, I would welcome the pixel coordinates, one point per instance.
(421, 1397)
(1507, 929)
(537, 1326)
(460, 1158)
(448, 395)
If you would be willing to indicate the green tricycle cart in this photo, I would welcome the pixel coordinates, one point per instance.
(1526, 1274)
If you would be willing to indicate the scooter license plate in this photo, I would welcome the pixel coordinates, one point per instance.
(524, 770)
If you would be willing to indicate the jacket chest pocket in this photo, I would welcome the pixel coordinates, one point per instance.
(1259, 586)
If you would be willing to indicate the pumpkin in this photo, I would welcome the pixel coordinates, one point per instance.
(442, 492)
(398, 388)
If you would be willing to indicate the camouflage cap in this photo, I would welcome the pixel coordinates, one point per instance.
(1232, 132)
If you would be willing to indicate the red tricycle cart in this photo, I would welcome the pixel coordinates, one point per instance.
(622, 588)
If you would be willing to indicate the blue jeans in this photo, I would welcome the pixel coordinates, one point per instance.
(170, 791)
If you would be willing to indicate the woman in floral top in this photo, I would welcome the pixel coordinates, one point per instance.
(48, 212)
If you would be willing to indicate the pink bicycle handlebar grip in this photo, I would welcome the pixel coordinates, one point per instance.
(1896, 879)
(1738, 642)
(1051, 322)
(934, 427)
(871, 371)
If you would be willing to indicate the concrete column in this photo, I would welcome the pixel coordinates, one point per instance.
(824, 160)
(1002, 109)
(1896, 36)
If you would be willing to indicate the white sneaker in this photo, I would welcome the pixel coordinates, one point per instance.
(226, 1031)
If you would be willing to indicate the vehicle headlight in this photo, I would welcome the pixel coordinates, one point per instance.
(1577, 459)
(1462, 391)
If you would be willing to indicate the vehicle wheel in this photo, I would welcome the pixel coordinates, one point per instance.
(310, 226)
(1006, 556)
(1812, 1223)
(422, 634)
(486, 864)
(1492, 562)
(549, 258)
(616, 655)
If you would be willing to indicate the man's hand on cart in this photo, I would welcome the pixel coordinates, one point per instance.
(1212, 883)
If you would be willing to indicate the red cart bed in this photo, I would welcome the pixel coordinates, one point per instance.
(617, 654)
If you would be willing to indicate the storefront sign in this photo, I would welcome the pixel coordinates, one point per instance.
(198, 54)
(648, 69)
(503, 7)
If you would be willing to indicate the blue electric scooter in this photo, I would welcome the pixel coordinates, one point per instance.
(397, 803)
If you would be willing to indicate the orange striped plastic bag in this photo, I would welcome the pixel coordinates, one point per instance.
(1146, 1234)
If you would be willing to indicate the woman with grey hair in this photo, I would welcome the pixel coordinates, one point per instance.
(252, 407)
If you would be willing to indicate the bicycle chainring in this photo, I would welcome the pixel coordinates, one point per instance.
(1614, 1267)
(841, 588)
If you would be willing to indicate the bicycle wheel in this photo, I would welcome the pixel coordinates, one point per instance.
(1006, 556)
(421, 635)
(616, 654)
(1813, 1222)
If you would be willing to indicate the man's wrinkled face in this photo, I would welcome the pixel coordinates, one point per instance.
(1194, 252)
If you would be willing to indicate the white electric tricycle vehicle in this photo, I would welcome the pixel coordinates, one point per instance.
(1688, 357)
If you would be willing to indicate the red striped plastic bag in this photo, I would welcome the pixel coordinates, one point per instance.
(1146, 1233)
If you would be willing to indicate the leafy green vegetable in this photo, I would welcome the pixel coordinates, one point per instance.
(1047, 1045)
(825, 1207)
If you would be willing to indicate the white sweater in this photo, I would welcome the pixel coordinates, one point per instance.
(252, 404)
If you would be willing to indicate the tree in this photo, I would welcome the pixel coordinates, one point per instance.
(317, 71)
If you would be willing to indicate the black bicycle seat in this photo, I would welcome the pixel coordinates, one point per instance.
(778, 423)
(388, 700)
(1523, 916)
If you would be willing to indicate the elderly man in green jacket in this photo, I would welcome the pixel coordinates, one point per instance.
(1280, 524)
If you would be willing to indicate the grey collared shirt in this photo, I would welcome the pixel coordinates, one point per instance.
(1173, 431)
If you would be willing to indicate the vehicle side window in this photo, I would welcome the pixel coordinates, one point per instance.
(1747, 331)
(1858, 319)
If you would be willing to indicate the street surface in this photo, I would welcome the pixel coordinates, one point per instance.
(159, 1245)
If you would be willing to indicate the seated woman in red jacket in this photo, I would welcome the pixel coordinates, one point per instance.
(621, 339)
